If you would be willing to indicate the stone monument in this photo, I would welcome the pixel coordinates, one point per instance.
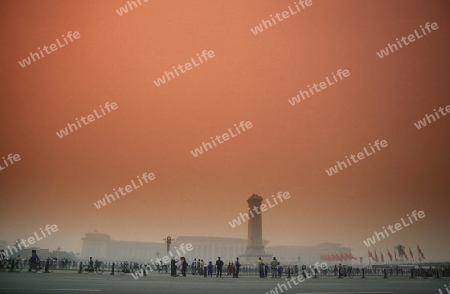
(255, 247)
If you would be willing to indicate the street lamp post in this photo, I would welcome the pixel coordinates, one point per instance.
(168, 241)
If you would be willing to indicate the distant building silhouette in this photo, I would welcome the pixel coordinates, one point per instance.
(208, 248)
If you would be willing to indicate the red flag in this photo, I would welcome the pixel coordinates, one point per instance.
(376, 256)
(389, 254)
(382, 257)
(370, 255)
(420, 252)
(395, 254)
(351, 255)
(404, 253)
(411, 254)
(347, 256)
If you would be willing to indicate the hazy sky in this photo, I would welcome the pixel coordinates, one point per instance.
(116, 58)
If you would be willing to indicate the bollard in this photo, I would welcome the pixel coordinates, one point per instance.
(47, 266)
(385, 274)
(81, 267)
(363, 276)
(112, 272)
(205, 271)
(412, 274)
(289, 272)
(145, 271)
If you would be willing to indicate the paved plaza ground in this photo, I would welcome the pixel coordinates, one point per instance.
(70, 282)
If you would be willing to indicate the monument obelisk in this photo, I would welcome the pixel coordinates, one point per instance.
(255, 247)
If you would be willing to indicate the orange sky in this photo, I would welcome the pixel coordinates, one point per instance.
(250, 78)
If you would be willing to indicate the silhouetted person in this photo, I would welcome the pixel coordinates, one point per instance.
(219, 265)
(261, 267)
(173, 267)
(184, 266)
(237, 265)
(273, 267)
(210, 269)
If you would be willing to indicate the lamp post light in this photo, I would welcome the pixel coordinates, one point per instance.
(168, 241)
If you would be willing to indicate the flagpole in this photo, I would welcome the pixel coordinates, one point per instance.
(420, 255)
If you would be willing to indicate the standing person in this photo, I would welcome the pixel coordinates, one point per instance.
(280, 270)
(3, 259)
(164, 266)
(173, 267)
(219, 265)
(91, 264)
(194, 266)
(210, 269)
(201, 266)
(184, 266)
(273, 267)
(261, 267)
(34, 259)
(237, 265)
(3, 255)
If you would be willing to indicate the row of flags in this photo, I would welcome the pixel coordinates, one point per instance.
(337, 257)
(402, 253)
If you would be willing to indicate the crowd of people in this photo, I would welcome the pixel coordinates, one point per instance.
(199, 267)
(34, 260)
(272, 268)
